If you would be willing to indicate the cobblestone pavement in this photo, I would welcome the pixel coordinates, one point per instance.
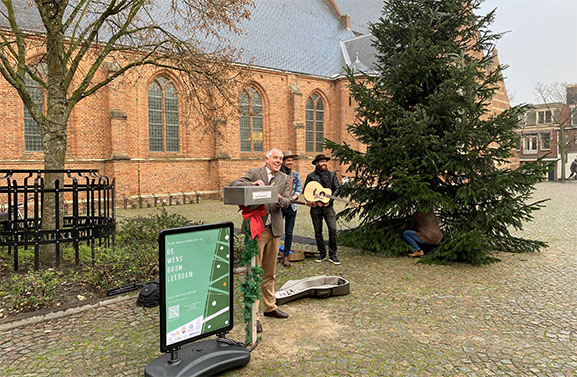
(513, 318)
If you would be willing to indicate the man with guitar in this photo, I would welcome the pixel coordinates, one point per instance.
(323, 209)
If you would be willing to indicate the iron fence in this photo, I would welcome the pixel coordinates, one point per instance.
(83, 211)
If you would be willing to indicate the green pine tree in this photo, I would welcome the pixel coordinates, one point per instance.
(432, 143)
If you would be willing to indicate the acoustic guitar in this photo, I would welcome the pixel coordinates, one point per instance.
(315, 192)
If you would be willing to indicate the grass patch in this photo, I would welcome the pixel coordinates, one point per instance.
(134, 259)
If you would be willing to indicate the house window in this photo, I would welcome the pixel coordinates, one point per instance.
(314, 124)
(531, 144)
(32, 134)
(544, 117)
(163, 132)
(518, 143)
(545, 141)
(251, 129)
(574, 118)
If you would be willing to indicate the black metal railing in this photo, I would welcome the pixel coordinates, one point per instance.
(83, 211)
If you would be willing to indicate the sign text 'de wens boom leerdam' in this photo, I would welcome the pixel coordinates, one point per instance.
(197, 282)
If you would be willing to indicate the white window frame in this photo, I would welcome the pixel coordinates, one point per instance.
(531, 141)
(541, 141)
(544, 112)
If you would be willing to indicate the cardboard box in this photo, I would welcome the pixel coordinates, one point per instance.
(250, 195)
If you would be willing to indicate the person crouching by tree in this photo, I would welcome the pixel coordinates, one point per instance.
(319, 210)
(290, 213)
(424, 231)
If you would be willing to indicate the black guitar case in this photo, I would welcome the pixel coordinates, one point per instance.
(316, 286)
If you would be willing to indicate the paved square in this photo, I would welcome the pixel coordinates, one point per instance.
(513, 318)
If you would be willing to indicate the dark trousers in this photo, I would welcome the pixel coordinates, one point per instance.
(289, 223)
(317, 216)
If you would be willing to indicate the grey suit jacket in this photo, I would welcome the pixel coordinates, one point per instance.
(274, 209)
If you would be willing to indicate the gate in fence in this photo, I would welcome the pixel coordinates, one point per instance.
(83, 211)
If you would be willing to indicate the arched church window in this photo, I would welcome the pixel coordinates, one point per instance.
(163, 131)
(251, 125)
(315, 116)
(32, 134)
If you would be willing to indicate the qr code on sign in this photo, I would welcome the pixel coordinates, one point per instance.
(173, 312)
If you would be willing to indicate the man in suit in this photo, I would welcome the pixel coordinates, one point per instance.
(269, 242)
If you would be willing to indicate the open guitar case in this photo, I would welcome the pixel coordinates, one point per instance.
(316, 286)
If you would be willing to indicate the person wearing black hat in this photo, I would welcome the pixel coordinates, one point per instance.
(319, 211)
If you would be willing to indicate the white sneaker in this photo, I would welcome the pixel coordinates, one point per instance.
(334, 260)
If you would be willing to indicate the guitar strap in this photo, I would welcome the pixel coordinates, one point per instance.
(291, 186)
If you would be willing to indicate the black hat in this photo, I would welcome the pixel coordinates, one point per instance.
(320, 157)
(288, 154)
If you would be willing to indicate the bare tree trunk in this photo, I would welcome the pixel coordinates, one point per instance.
(55, 123)
(54, 159)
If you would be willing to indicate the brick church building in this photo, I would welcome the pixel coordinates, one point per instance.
(136, 132)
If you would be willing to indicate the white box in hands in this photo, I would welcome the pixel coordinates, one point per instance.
(250, 195)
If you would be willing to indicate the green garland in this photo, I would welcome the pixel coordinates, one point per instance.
(250, 288)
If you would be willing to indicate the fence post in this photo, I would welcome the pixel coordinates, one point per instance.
(23, 225)
(57, 223)
(14, 224)
(75, 214)
(37, 182)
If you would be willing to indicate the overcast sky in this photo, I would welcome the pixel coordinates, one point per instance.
(541, 45)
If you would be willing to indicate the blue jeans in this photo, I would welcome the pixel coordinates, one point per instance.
(413, 240)
(289, 223)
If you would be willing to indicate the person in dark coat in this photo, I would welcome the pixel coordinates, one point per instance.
(573, 169)
(324, 211)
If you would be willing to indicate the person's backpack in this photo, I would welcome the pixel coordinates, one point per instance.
(149, 296)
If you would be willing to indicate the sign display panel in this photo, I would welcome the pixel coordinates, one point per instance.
(196, 283)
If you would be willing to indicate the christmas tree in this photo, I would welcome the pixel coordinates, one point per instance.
(431, 142)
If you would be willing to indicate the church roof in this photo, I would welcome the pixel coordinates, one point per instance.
(294, 35)
(360, 54)
(27, 16)
(299, 36)
(362, 12)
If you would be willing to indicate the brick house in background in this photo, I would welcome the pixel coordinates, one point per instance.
(539, 131)
(135, 130)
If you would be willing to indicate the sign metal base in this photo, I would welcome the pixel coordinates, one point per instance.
(204, 358)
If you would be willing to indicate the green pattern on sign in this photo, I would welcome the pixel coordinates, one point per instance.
(216, 312)
(197, 279)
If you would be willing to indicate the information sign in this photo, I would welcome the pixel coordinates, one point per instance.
(196, 284)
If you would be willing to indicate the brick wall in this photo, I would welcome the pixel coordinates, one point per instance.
(109, 131)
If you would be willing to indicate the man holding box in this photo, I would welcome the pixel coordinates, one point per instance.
(269, 241)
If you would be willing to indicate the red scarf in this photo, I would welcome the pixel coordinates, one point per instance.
(255, 219)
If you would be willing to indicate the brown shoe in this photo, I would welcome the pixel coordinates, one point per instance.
(417, 254)
(285, 261)
(258, 327)
(277, 314)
